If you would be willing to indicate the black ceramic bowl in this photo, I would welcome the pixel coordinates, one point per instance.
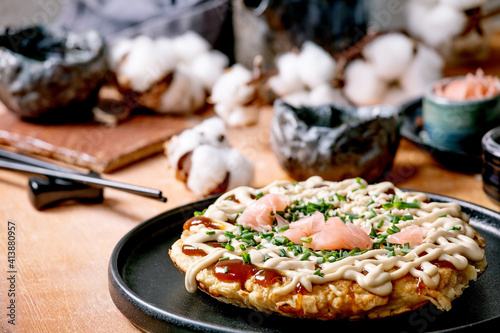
(335, 142)
(491, 164)
(51, 74)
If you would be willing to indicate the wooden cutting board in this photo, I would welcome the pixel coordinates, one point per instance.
(92, 145)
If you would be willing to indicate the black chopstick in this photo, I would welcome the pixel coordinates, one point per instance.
(80, 178)
(15, 157)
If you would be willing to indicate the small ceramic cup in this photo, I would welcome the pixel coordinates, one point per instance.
(491, 164)
(458, 125)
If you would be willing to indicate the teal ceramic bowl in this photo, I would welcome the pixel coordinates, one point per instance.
(458, 125)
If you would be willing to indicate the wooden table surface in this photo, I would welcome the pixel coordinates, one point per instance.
(62, 254)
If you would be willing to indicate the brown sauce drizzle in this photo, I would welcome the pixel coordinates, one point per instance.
(235, 270)
(266, 277)
(191, 250)
(299, 289)
(197, 220)
(233, 198)
(420, 286)
(444, 264)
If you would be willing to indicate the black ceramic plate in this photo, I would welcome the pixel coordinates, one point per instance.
(149, 290)
(411, 129)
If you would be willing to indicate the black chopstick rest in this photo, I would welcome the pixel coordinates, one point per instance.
(47, 192)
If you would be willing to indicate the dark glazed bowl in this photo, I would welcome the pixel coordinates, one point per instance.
(491, 164)
(335, 142)
(51, 74)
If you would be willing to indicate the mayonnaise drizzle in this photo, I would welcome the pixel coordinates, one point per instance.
(373, 270)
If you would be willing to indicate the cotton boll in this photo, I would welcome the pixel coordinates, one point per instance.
(363, 86)
(417, 12)
(180, 145)
(463, 4)
(212, 131)
(208, 170)
(232, 88)
(283, 87)
(288, 67)
(390, 55)
(138, 71)
(325, 94)
(189, 45)
(441, 24)
(297, 99)
(241, 170)
(208, 67)
(426, 67)
(201, 157)
(288, 79)
(118, 51)
(240, 116)
(184, 95)
(165, 56)
(315, 65)
(396, 96)
(233, 96)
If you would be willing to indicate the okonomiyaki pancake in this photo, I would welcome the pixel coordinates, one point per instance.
(330, 250)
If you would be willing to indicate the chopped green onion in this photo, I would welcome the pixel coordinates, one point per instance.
(284, 228)
(243, 247)
(455, 228)
(305, 256)
(380, 224)
(318, 272)
(226, 269)
(259, 195)
(246, 257)
(229, 247)
(370, 202)
(444, 215)
(211, 232)
(282, 252)
(225, 258)
(352, 216)
(340, 198)
(399, 204)
(320, 260)
(200, 213)
(373, 214)
(407, 217)
(279, 240)
(306, 239)
(353, 251)
(266, 257)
